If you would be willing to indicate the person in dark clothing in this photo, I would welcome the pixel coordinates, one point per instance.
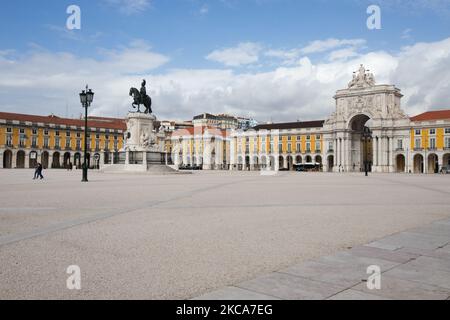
(36, 171)
(39, 171)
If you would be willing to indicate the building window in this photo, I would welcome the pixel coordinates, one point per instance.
(67, 143)
(57, 142)
(280, 146)
(45, 142)
(299, 148)
(22, 140)
(418, 132)
(318, 137)
(317, 146)
(289, 138)
(418, 143)
(46, 132)
(432, 143)
(432, 132)
(34, 131)
(289, 147)
(308, 137)
(330, 146)
(9, 140)
(22, 131)
(400, 144)
(57, 133)
(298, 138)
(308, 146)
(78, 144)
(447, 130)
(34, 141)
(447, 142)
(97, 136)
(78, 134)
(9, 130)
(68, 134)
(116, 145)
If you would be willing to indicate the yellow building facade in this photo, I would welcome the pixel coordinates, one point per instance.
(55, 142)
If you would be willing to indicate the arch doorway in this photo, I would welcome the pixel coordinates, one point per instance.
(290, 163)
(20, 159)
(33, 159)
(400, 163)
(433, 163)
(55, 160)
(319, 161)
(280, 162)
(418, 163)
(446, 160)
(361, 152)
(7, 159)
(330, 163)
(66, 159)
(298, 160)
(44, 159)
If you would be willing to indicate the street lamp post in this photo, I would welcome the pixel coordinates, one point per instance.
(366, 136)
(86, 98)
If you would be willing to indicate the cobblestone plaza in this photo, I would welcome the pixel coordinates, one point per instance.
(187, 235)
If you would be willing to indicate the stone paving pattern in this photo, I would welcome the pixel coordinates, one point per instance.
(180, 236)
(415, 265)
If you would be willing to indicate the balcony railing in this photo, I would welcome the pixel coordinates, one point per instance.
(330, 150)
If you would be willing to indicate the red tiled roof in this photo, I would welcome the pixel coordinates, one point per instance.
(432, 115)
(94, 122)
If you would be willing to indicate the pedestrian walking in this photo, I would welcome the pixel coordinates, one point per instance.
(39, 171)
(36, 168)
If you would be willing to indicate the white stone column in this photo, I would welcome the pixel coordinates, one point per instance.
(14, 159)
(144, 159)
(391, 155)
(102, 159)
(1, 159)
(27, 160)
(127, 157)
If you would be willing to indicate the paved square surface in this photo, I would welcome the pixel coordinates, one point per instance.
(243, 234)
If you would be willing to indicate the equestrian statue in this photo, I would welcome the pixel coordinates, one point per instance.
(141, 98)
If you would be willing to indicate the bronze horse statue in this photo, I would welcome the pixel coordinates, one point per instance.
(141, 99)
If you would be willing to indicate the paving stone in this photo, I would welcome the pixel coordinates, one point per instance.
(412, 240)
(431, 263)
(291, 287)
(439, 253)
(398, 289)
(339, 274)
(419, 274)
(445, 248)
(445, 221)
(434, 229)
(234, 293)
(351, 294)
(388, 255)
(348, 259)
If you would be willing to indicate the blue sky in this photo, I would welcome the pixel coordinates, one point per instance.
(246, 38)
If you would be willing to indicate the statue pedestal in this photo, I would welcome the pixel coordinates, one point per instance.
(140, 134)
(144, 147)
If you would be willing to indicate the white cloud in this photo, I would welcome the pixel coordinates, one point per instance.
(243, 54)
(130, 6)
(330, 44)
(41, 82)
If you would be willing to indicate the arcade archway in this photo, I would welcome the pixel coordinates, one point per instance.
(361, 143)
